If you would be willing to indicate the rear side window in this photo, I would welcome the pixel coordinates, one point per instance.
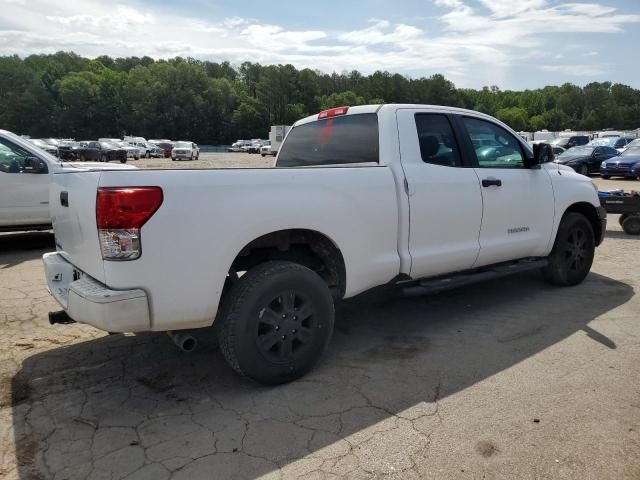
(437, 143)
(334, 141)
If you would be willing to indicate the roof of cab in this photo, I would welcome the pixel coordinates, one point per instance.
(397, 106)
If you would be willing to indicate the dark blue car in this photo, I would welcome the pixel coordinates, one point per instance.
(627, 164)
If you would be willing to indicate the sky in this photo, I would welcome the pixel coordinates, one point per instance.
(514, 44)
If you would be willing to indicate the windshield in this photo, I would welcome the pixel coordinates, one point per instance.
(183, 145)
(108, 145)
(631, 152)
(40, 143)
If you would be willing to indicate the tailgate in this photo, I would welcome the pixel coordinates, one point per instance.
(72, 203)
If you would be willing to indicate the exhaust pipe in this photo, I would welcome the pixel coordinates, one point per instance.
(184, 340)
(60, 317)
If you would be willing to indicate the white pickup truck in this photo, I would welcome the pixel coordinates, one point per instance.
(425, 197)
(25, 176)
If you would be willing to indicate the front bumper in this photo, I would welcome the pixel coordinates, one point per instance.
(614, 172)
(88, 301)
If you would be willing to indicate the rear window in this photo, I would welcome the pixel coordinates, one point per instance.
(334, 141)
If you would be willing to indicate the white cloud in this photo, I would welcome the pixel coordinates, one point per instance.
(120, 19)
(579, 70)
(276, 38)
(382, 32)
(479, 43)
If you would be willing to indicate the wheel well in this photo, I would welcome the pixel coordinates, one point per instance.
(590, 212)
(305, 247)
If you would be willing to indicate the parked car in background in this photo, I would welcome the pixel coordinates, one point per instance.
(158, 141)
(47, 147)
(148, 149)
(102, 152)
(633, 143)
(26, 174)
(134, 140)
(185, 151)
(624, 165)
(254, 147)
(166, 147)
(70, 150)
(558, 150)
(622, 143)
(132, 152)
(587, 158)
(267, 150)
(604, 142)
(569, 142)
(238, 146)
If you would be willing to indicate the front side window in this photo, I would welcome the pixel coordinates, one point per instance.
(437, 143)
(493, 145)
(13, 159)
(334, 141)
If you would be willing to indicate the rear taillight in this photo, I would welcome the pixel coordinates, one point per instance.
(120, 214)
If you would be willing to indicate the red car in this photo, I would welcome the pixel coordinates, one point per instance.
(167, 147)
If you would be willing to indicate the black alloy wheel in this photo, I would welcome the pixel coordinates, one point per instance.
(285, 327)
(576, 250)
(275, 322)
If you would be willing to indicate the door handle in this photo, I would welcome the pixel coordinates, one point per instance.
(491, 182)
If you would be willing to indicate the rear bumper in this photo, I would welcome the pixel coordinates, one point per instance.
(88, 301)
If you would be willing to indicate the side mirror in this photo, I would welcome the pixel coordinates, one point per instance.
(542, 153)
(35, 165)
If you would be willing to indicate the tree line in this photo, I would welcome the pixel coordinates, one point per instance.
(66, 95)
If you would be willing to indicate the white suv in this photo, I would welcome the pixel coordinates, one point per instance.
(185, 151)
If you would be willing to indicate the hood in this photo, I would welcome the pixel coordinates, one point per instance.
(564, 158)
(624, 160)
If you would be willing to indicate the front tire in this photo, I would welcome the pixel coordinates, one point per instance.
(573, 251)
(276, 322)
(605, 177)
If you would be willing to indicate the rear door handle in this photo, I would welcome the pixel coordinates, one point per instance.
(491, 182)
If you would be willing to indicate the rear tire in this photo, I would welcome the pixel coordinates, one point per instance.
(276, 322)
(573, 251)
(631, 225)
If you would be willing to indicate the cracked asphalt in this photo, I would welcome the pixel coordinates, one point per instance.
(508, 379)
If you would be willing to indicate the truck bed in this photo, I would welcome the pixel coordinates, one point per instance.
(208, 216)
